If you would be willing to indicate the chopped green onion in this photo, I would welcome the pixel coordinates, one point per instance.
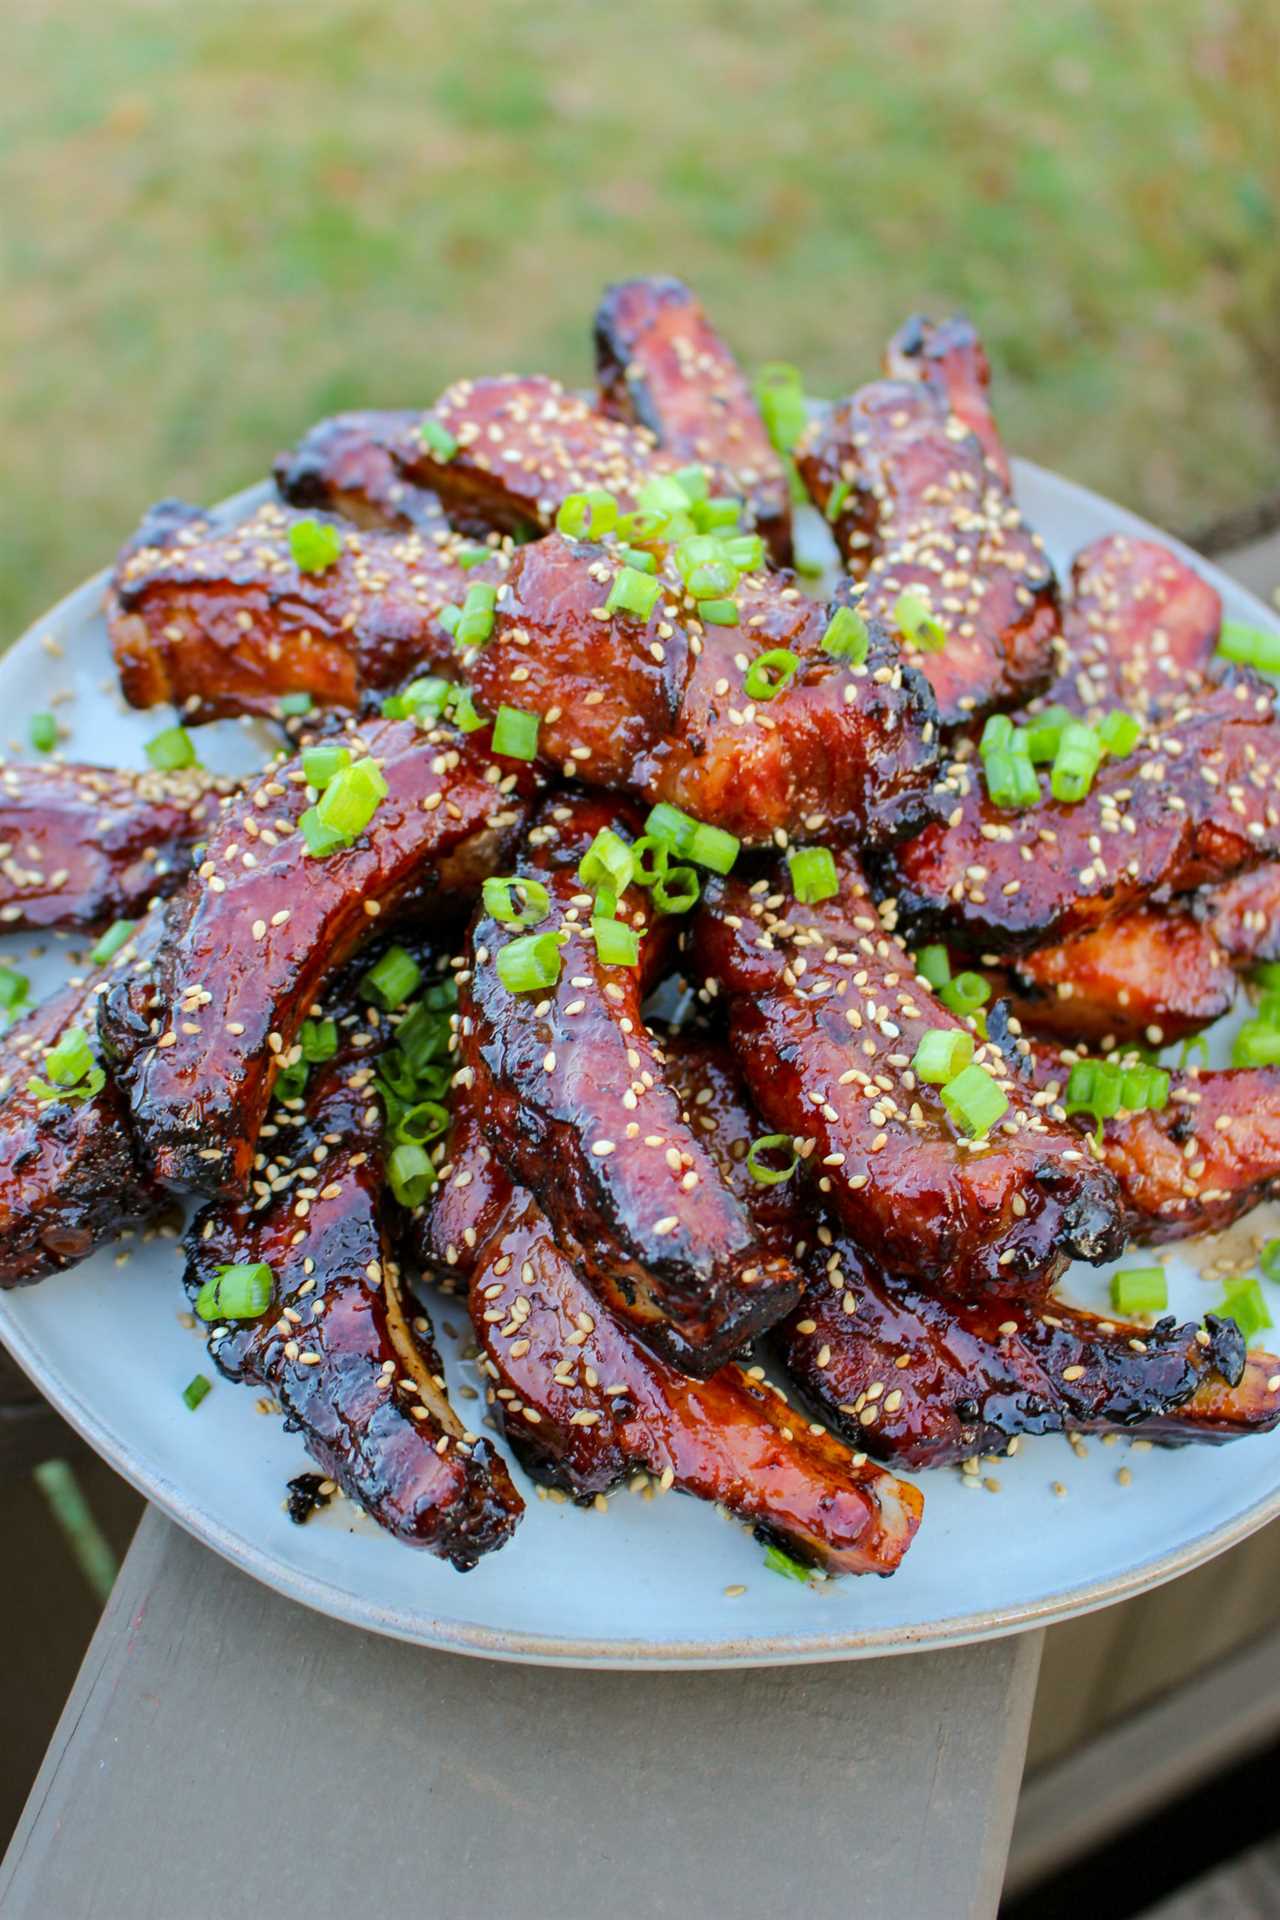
(426, 699)
(608, 860)
(449, 617)
(410, 1174)
(14, 988)
(71, 1059)
(915, 621)
(997, 735)
(693, 480)
(1245, 1303)
(318, 1040)
(779, 1562)
(1011, 780)
(236, 1293)
(516, 902)
(1140, 1290)
(421, 1123)
(529, 963)
(111, 942)
(974, 1101)
(587, 516)
(294, 705)
(719, 513)
(352, 797)
(462, 711)
(771, 673)
(662, 494)
(313, 545)
(718, 613)
(515, 733)
(643, 526)
(1042, 734)
(475, 623)
(965, 994)
(320, 764)
(835, 502)
(1255, 646)
(692, 839)
(651, 858)
(437, 438)
(468, 557)
(712, 580)
(934, 965)
(1075, 763)
(634, 592)
(1119, 733)
(321, 840)
(780, 398)
(1269, 1260)
(1256, 1044)
(745, 550)
(291, 1082)
(943, 1052)
(676, 890)
(171, 750)
(1267, 975)
(43, 732)
(196, 1389)
(813, 875)
(395, 979)
(847, 636)
(617, 944)
(638, 558)
(759, 1168)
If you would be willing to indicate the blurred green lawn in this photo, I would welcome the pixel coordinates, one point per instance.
(222, 221)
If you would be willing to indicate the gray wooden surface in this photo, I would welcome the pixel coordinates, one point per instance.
(225, 1752)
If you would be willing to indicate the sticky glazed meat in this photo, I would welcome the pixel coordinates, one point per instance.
(825, 1015)
(523, 443)
(921, 1382)
(1210, 1155)
(659, 706)
(222, 620)
(1141, 625)
(82, 846)
(662, 365)
(347, 465)
(1148, 978)
(70, 1179)
(1243, 914)
(584, 1403)
(1193, 805)
(948, 356)
(917, 508)
(261, 925)
(572, 1095)
(342, 1347)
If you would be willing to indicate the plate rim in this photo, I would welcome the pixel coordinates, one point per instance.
(522, 1646)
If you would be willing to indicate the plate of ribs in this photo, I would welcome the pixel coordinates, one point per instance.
(580, 947)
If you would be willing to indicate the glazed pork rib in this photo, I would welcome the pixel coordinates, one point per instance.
(659, 705)
(921, 1382)
(1194, 805)
(1146, 978)
(571, 1092)
(948, 356)
(662, 365)
(70, 1178)
(347, 466)
(82, 846)
(1243, 914)
(224, 621)
(917, 507)
(825, 1016)
(584, 1404)
(1140, 627)
(504, 452)
(347, 1354)
(262, 924)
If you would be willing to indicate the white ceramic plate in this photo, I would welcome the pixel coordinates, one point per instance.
(645, 1584)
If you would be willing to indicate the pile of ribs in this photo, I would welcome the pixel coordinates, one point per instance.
(712, 1226)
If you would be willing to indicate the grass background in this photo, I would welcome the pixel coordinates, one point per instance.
(218, 222)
